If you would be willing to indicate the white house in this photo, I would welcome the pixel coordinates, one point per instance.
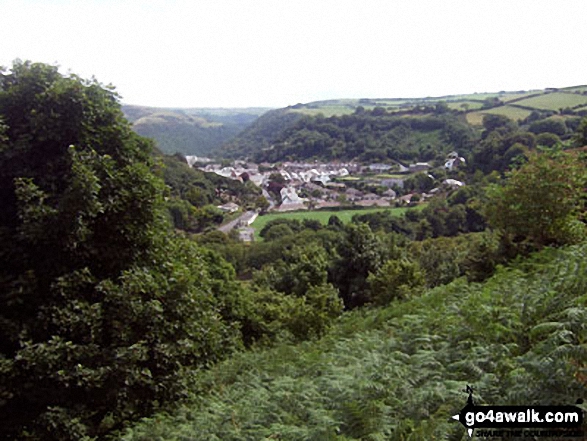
(453, 163)
(289, 196)
(453, 183)
(419, 166)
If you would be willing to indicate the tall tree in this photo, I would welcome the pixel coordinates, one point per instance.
(542, 202)
(102, 311)
(580, 138)
(361, 253)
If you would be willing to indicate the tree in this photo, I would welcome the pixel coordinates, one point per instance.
(334, 222)
(547, 139)
(396, 279)
(541, 202)
(580, 138)
(361, 252)
(104, 312)
(549, 125)
(493, 122)
(299, 269)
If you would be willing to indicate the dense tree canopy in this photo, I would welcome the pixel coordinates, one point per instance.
(541, 203)
(102, 311)
(372, 136)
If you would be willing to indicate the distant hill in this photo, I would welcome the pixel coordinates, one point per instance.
(196, 131)
(393, 128)
(552, 99)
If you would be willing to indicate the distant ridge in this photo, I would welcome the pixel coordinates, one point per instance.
(191, 131)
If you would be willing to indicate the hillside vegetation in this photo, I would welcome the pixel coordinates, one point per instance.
(400, 372)
(190, 131)
(393, 129)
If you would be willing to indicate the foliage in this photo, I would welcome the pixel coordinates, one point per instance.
(444, 259)
(400, 372)
(555, 126)
(367, 135)
(261, 134)
(580, 138)
(104, 313)
(361, 253)
(195, 194)
(189, 131)
(396, 279)
(502, 146)
(493, 122)
(541, 202)
(298, 270)
(276, 316)
(547, 139)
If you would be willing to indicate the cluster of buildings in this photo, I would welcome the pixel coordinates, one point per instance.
(324, 185)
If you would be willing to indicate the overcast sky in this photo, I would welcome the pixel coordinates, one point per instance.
(274, 53)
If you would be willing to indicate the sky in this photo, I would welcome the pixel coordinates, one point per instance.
(275, 53)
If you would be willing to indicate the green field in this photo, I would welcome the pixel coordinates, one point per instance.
(515, 113)
(575, 89)
(471, 96)
(322, 215)
(515, 96)
(554, 101)
(343, 109)
(546, 101)
(327, 111)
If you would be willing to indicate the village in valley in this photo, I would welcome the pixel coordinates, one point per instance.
(296, 186)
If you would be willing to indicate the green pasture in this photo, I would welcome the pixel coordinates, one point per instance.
(471, 96)
(514, 113)
(515, 96)
(327, 111)
(554, 101)
(323, 215)
(337, 109)
(575, 89)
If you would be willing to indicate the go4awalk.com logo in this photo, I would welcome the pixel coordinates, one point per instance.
(521, 421)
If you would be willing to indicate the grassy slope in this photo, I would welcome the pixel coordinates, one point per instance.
(554, 101)
(346, 106)
(399, 372)
(515, 113)
(542, 101)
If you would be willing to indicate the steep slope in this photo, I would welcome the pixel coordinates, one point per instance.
(375, 135)
(262, 134)
(401, 372)
(190, 131)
